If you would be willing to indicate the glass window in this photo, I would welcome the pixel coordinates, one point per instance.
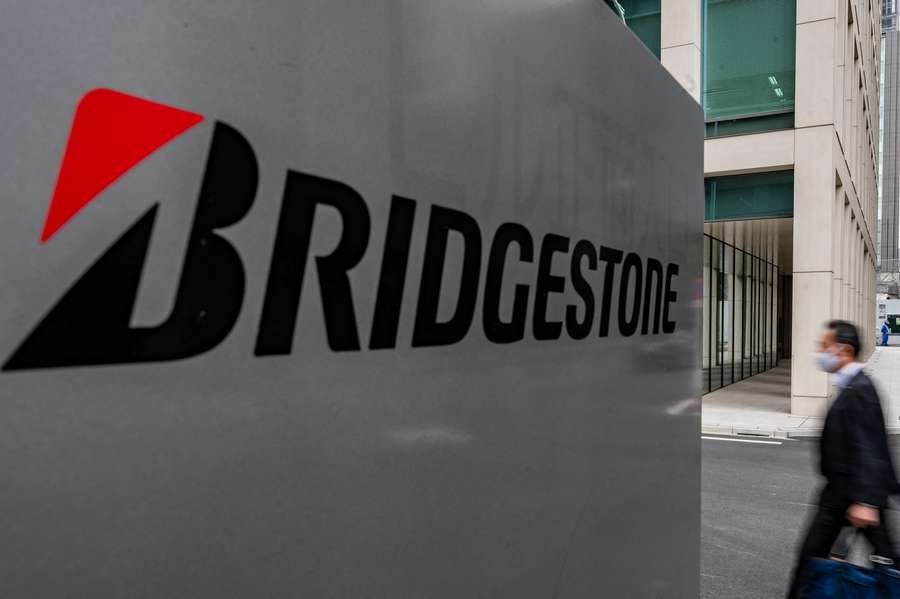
(643, 18)
(760, 195)
(741, 126)
(740, 299)
(748, 57)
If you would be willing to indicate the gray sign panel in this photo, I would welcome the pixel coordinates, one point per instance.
(410, 312)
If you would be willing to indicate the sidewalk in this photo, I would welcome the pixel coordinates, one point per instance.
(884, 367)
(761, 405)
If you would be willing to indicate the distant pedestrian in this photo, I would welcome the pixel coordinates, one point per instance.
(885, 331)
(855, 460)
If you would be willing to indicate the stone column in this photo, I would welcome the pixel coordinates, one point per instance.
(681, 43)
(813, 271)
(815, 226)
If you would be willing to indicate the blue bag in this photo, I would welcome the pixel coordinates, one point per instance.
(835, 578)
(890, 582)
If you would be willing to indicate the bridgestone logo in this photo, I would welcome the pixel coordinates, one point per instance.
(90, 325)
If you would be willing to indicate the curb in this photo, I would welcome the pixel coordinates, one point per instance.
(764, 433)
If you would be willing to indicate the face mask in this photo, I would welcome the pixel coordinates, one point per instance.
(827, 361)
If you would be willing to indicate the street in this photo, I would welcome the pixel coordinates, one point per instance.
(756, 496)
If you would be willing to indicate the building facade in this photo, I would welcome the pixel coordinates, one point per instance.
(790, 91)
(889, 190)
(888, 285)
(888, 15)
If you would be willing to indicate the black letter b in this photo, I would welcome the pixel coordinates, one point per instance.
(90, 325)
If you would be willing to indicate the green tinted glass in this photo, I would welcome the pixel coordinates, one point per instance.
(769, 122)
(760, 195)
(749, 57)
(642, 17)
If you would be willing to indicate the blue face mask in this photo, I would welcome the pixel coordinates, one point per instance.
(827, 361)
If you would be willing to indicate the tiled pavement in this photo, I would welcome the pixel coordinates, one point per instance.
(761, 405)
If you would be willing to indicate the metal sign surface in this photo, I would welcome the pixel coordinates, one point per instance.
(346, 299)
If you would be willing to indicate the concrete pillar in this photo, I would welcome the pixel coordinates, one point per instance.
(854, 281)
(854, 269)
(681, 43)
(846, 225)
(860, 284)
(837, 261)
(815, 79)
(816, 226)
(814, 191)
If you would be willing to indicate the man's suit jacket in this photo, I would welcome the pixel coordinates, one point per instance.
(854, 451)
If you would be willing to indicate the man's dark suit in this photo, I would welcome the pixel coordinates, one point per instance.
(856, 464)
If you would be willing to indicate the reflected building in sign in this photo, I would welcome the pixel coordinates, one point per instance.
(789, 92)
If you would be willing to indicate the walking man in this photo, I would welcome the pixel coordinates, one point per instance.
(854, 455)
(885, 331)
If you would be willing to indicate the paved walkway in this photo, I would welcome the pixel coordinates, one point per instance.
(884, 366)
(761, 405)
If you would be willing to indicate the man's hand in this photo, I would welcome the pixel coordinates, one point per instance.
(862, 516)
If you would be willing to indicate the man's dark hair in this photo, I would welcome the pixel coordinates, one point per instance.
(846, 333)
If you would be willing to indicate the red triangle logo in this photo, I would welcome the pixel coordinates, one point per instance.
(111, 132)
